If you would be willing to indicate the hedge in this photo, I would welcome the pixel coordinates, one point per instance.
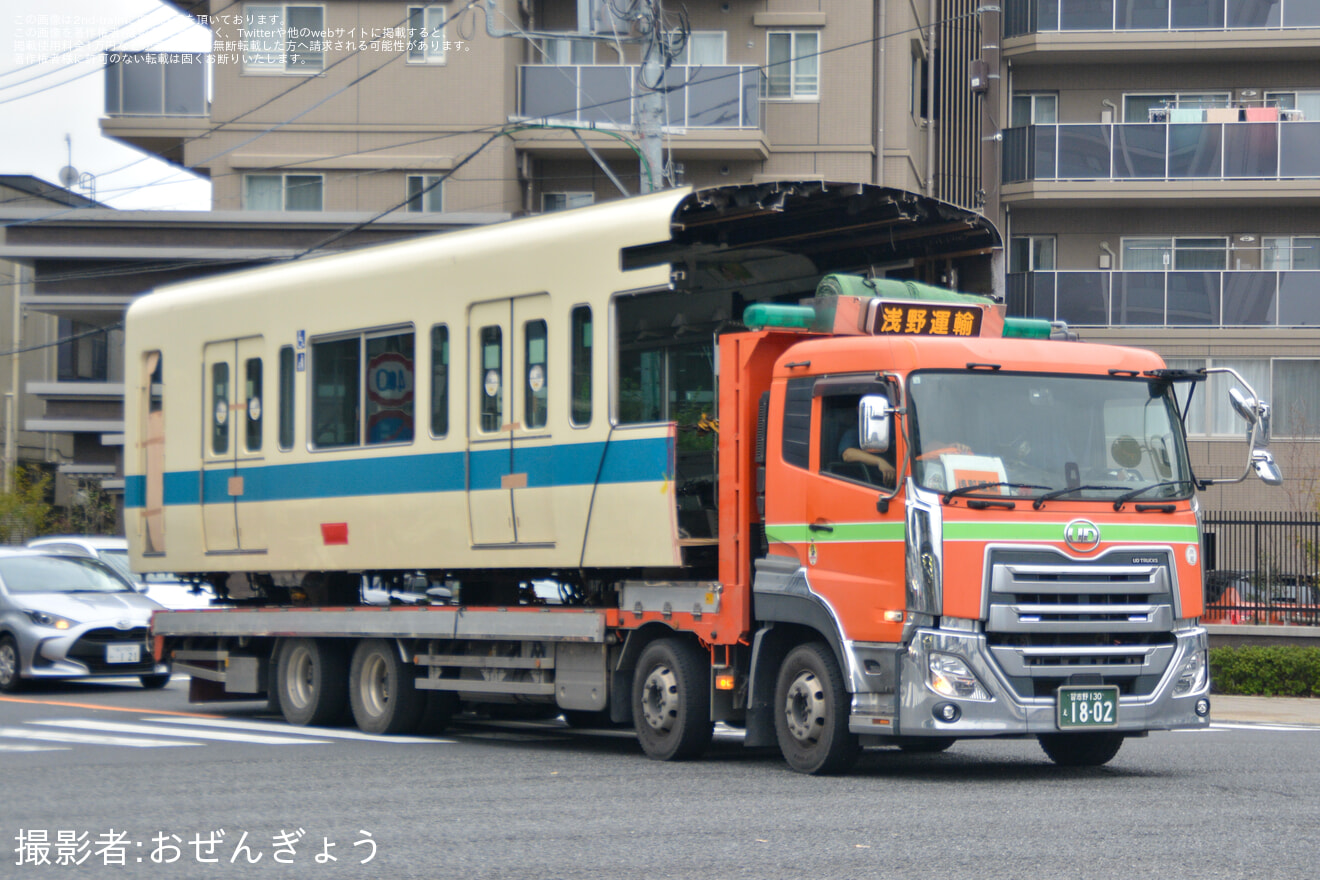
(1266, 671)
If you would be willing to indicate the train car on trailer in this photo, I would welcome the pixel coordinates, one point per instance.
(610, 400)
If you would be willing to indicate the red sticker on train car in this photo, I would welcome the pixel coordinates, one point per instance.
(334, 533)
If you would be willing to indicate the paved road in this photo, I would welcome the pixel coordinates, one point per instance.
(538, 800)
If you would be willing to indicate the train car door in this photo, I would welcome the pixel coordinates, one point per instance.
(232, 438)
(508, 420)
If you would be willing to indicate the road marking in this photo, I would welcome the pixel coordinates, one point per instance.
(1229, 725)
(300, 731)
(31, 747)
(90, 739)
(102, 708)
(234, 736)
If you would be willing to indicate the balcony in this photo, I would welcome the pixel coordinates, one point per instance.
(156, 100)
(711, 112)
(1229, 160)
(1168, 299)
(1041, 16)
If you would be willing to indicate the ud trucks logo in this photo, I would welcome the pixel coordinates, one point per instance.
(1081, 535)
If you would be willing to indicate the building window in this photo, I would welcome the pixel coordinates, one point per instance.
(286, 397)
(1282, 253)
(83, 352)
(1031, 253)
(426, 34)
(1306, 104)
(426, 193)
(562, 201)
(439, 380)
(1137, 108)
(1179, 254)
(581, 366)
(283, 38)
(700, 49)
(282, 192)
(793, 71)
(564, 51)
(1034, 109)
(362, 386)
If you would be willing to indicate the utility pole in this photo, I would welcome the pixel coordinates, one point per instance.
(642, 25)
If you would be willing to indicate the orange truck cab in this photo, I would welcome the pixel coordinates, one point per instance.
(994, 531)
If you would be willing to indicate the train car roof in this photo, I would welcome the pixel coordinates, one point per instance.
(834, 226)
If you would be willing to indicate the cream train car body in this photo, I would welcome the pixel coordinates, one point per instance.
(228, 471)
(453, 403)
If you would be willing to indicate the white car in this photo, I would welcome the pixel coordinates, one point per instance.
(165, 589)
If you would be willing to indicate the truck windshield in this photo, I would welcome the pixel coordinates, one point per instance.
(1087, 438)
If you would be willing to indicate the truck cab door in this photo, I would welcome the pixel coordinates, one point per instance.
(855, 552)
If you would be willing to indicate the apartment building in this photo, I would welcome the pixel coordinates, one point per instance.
(1160, 186)
(533, 105)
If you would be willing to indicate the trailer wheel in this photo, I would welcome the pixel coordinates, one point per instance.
(671, 700)
(312, 682)
(1081, 749)
(382, 689)
(811, 712)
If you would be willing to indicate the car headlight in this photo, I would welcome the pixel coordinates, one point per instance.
(1192, 676)
(41, 618)
(949, 676)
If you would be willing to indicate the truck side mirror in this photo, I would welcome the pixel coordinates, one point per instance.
(873, 421)
(1265, 467)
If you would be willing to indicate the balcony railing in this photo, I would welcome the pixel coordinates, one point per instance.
(696, 97)
(1163, 151)
(156, 84)
(1037, 16)
(1169, 299)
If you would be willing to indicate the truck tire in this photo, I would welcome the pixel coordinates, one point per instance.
(1081, 749)
(382, 689)
(312, 678)
(811, 712)
(11, 667)
(671, 700)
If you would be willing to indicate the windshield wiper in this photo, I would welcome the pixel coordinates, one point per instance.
(1059, 493)
(1128, 496)
(977, 487)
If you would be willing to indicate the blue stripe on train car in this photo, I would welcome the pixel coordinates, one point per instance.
(625, 461)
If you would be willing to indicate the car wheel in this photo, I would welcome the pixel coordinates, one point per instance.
(11, 670)
(155, 682)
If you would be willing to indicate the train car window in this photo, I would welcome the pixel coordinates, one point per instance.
(389, 405)
(439, 380)
(253, 402)
(286, 397)
(336, 390)
(492, 379)
(580, 381)
(535, 395)
(220, 408)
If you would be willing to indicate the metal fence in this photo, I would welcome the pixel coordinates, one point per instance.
(1262, 568)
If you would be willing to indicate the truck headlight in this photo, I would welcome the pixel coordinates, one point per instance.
(41, 618)
(1192, 675)
(949, 676)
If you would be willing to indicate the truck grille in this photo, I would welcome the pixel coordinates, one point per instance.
(1053, 619)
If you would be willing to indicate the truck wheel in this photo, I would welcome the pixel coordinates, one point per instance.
(312, 682)
(382, 689)
(811, 712)
(1081, 749)
(11, 668)
(924, 745)
(671, 700)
